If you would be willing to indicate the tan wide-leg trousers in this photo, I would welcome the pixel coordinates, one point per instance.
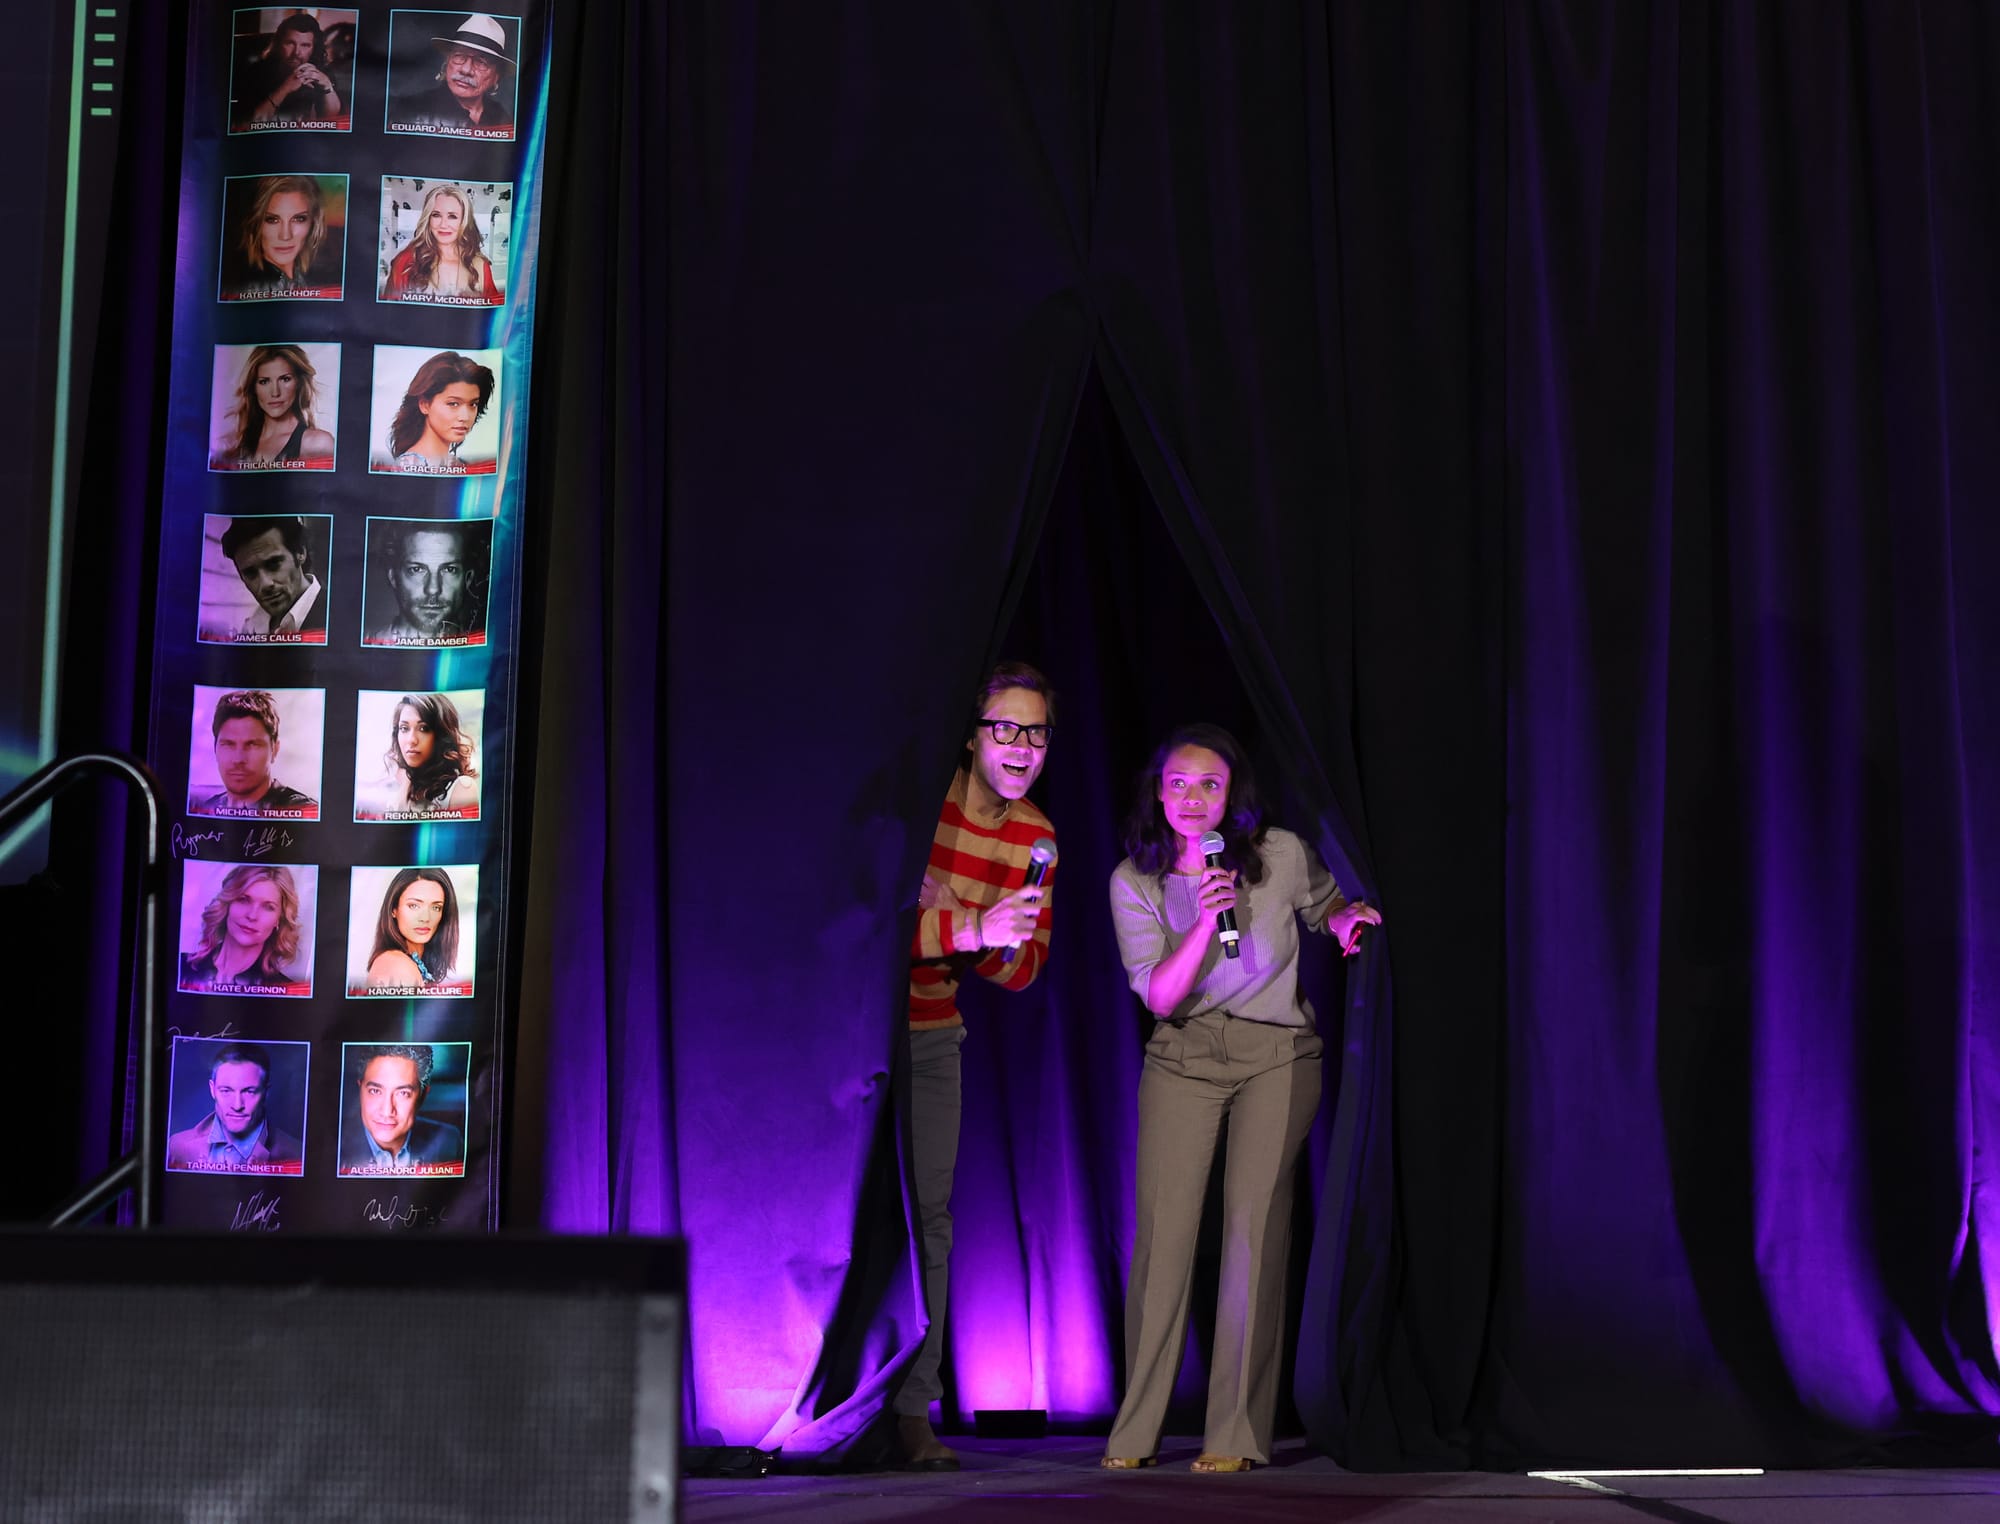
(1264, 1081)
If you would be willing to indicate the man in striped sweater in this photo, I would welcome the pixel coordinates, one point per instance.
(976, 914)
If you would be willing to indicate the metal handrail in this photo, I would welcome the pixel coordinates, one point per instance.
(135, 1171)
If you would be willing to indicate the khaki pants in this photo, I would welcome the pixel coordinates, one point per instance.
(1264, 1081)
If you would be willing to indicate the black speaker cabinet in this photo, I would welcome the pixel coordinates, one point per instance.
(261, 1378)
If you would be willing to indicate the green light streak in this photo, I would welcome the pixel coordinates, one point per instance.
(22, 832)
(52, 605)
(52, 602)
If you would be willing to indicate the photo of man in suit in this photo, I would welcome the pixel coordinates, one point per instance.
(384, 1132)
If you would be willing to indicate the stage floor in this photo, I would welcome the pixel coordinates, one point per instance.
(1055, 1481)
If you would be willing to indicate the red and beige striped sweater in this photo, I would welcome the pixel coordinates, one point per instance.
(980, 863)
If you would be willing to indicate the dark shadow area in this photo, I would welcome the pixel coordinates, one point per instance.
(47, 1044)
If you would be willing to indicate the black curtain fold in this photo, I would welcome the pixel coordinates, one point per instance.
(786, 759)
(591, 826)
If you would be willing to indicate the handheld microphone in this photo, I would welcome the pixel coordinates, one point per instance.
(1225, 920)
(1041, 858)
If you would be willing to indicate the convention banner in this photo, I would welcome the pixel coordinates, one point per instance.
(337, 629)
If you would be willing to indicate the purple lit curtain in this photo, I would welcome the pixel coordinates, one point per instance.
(1559, 436)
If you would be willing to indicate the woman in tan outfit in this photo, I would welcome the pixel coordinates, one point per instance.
(1235, 1047)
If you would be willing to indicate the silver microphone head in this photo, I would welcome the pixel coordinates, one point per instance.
(1043, 851)
(1211, 844)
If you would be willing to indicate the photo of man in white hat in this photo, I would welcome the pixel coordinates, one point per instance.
(465, 66)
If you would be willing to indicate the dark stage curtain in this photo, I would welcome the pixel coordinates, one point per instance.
(1559, 436)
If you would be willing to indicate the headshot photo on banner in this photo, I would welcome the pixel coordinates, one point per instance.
(274, 407)
(453, 74)
(411, 931)
(284, 237)
(247, 928)
(237, 1105)
(291, 68)
(263, 578)
(416, 755)
(443, 242)
(434, 412)
(336, 633)
(239, 736)
(402, 1108)
(427, 582)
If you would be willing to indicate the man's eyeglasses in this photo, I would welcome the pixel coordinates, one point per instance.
(1006, 733)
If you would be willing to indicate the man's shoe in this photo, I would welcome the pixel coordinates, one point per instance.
(922, 1449)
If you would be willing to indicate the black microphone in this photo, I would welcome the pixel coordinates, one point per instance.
(1225, 920)
(1041, 858)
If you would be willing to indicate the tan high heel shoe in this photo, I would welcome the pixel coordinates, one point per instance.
(1219, 1464)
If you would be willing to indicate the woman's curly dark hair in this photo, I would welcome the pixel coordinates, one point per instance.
(451, 753)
